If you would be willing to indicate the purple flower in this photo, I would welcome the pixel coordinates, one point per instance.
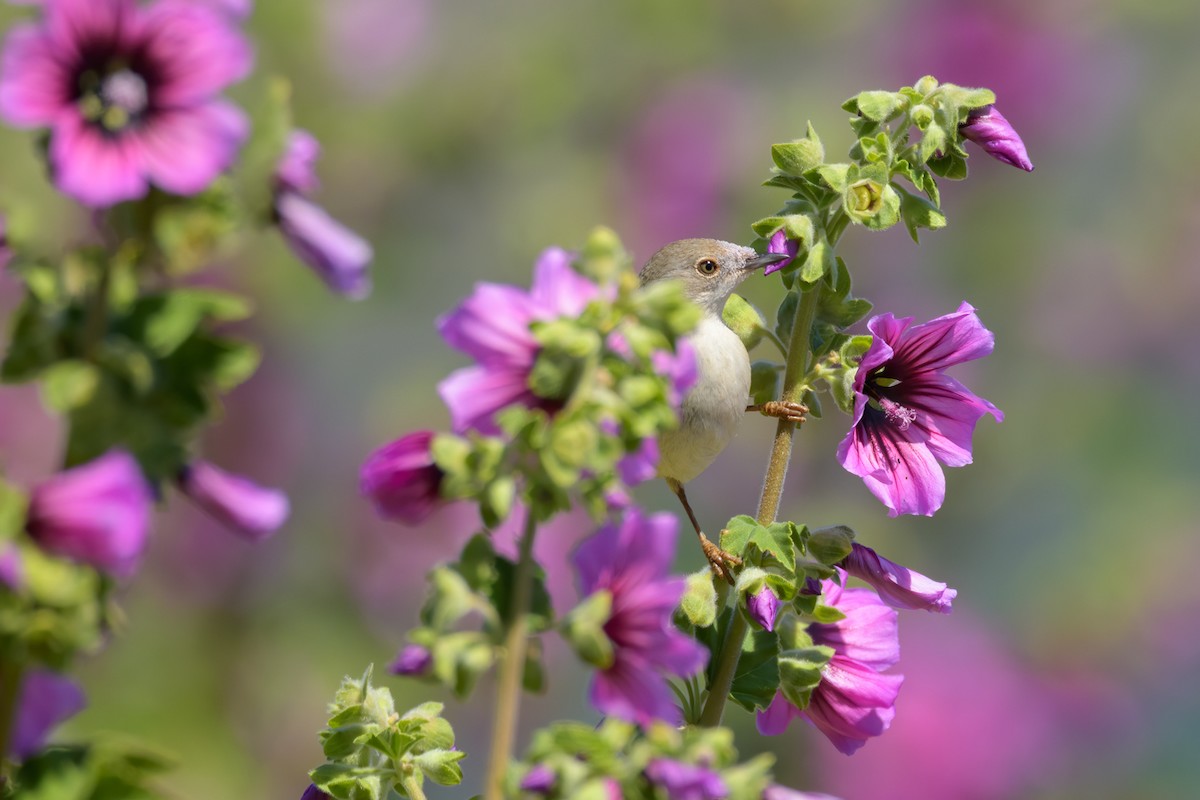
(241, 504)
(539, 780)
(680, 368)
(988, 128)
(45, 701)
(909, 415)
(854, 701)
(413, 660)
(402, 479)
(339, 255)
(641, 465)
(129, 94)
(686, 781)
(235, 8)
(12, 568)
(97, 513)
(492, 326)
(763, 607)
(779, 243)
(898, 586)
(630, 561)
(313, 793)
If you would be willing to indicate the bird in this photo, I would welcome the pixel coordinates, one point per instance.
(709, 270)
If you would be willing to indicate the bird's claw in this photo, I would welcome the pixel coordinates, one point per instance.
(720, 560)
(782, 409)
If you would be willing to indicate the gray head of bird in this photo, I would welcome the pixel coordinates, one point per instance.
(708, 269)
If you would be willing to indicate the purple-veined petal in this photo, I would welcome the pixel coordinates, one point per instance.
(75, 25)
(196, 50)
(763, 607)
(184, 150)
(632, 690)
(492, 326)
(473, 395)
(775, 718)
(853, 703)
(95, 169)
(904, 476)
(868, 634)
(898, 586)
(942, 342)
(947, 412)
(34, 81)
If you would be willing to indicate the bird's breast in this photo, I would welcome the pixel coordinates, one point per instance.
(714, 406)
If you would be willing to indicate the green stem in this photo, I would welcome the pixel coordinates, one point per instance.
(10, 685)
(768, 506)
(412, 787)
(512, 667)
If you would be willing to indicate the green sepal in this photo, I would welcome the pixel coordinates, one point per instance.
(819, 262)
(744, 319)
(799, 156)
(967, 98)
(441, 766)
(835, 176)
(934, 141)
(583, 628)
(951, 166)
(876, 106)
(602, 256)
(918, 212)
(800, 672)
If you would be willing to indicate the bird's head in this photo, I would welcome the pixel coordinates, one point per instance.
(708, 269)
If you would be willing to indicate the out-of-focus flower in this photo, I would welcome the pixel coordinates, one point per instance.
(412, 660)
(539, 780)
(235, 8)
(680, 367)
(686, 781)
(313, 793)
(391, 41)
(630, 561)
(855, 700)
(988, 128)
(12, 569)
(243, 505)
(898, 586)
(402, 480)
(763, 607)
(641, 465)
(46, 700)
(129, 93)
(97, 513)
(909, 415)
(492, 326)
(780, 243)
(337, 254)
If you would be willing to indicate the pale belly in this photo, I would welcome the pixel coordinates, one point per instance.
(713, 408)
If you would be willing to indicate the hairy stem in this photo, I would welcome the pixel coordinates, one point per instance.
(412, 787)
(768, 505)
(512, 667)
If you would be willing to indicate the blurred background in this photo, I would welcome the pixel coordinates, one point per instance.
(463, 137)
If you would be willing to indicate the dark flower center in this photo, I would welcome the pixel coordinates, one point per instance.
(114, 101)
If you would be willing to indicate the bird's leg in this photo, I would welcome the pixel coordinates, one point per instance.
(718, 559)
(781, 409)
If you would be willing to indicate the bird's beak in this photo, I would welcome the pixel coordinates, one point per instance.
(764, 260)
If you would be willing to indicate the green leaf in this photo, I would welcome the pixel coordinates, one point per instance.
(830, 545)
(756, 678)
(34, 344)
(951, 166)
(69, 384)
(919, 213)
(820, 261)
(785, 316)
(441, 766)
(934, 141)
(764, 381)
(877, 106)
(758, 545)
(836, 176)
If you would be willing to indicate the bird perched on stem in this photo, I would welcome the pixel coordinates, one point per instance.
(709, 270)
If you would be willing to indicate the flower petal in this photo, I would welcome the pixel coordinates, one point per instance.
(95, 169)
(775, 718)
(338, 255)
(46, 699)
(558, 290)
(943, 342)
(196, 51)
(632, 690)
(947, 413)
(868, 633)
(473, 395)
(34, 81)
(853, 703)
(184, 150)
(77, 25)
(904, 475)
(492, 325)
(252, 510)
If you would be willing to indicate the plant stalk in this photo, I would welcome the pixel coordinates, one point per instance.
(10, 688)
(512, 667)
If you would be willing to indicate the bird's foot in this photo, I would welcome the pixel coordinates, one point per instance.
(720, 560)
(782, 409)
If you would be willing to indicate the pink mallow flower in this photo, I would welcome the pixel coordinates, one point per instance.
(630, 561)
(492, 326)
(129, 93)
(988, 128)
(855, 700)
(402, 480)
(97, 514)
(412, 660)
(249, 509)
(898, 586)
(46, 699)
(337, 254)
(909, 415)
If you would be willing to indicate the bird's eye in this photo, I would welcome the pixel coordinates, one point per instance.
(706, 266)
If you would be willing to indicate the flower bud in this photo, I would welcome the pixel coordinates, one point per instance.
(313, 793)
(413, 660)
(780, 243)
(539, 780)
(926, 84)
(684, 781)
(97, 514)
(763, 607)
(898, 586)
(402, 479)
(45, 700)
(244, 506)
(921, 115)
(988, 128)
(338, 255)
